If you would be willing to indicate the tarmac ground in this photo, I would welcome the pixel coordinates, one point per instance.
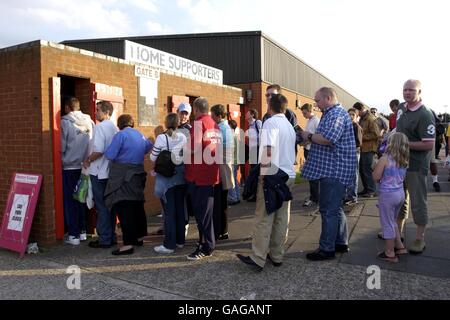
(148, 275)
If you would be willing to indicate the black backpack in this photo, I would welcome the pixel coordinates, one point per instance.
(440, 128)
(164, 164)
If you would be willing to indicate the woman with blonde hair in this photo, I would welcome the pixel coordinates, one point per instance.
(390, 172)
(171, 190)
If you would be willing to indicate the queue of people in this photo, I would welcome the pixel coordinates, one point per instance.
(196, 165)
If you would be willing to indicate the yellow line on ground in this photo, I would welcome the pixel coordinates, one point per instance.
(100, 269)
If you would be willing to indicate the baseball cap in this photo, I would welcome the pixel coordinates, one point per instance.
(184, 107)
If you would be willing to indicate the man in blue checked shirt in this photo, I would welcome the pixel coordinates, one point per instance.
(332, 160)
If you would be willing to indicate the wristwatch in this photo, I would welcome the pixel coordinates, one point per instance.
(310, 137)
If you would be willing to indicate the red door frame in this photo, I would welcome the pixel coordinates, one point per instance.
(234, 113)
(55, 85)
(109, 93)
(176, 101)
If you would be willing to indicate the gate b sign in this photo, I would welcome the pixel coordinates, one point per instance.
(19, 212)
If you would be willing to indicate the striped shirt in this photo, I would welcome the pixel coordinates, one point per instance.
(337, 160)
(176, 144)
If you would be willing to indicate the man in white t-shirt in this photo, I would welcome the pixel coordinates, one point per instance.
(254, 128)
(311, 126)
(277, 159)
(99, 173)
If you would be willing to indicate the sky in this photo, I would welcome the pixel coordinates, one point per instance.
(369, 48)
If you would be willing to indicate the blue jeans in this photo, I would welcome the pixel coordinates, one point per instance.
(334, 222)
(106, 221)
(314, 185)
(175, 216)
(235, 194)
(352, 191)
(74, 211)
(365, 170)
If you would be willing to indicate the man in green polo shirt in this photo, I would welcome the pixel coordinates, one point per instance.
(417, 122)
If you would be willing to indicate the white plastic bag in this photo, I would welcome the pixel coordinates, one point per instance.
(447, 162)
(32, 248)
(89, 196)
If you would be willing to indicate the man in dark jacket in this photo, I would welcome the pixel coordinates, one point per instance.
(352, 191)
(290, 115)
(369, 147)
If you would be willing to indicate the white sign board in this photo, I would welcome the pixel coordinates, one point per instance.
(24, 178)
(109, 90)
(148, 88)
(136, 52)
(146, 72)
(18, 210)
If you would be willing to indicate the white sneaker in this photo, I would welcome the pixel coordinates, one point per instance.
(162, 249)
(72, 240)
(180, 246)
(83, 236)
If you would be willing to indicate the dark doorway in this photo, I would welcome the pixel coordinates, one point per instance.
(191, 100)
(67, 87)
(75, 87)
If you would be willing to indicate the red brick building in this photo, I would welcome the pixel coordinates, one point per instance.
(35, 77)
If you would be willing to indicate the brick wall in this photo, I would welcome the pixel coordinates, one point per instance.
(171, 85)
(26, 114)
(21, 135)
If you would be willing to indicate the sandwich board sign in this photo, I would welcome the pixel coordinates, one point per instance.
(19, 212)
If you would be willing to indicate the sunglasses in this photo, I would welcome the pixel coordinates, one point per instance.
(268, 95)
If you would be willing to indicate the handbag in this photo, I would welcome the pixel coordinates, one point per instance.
(81, 189)
(164, 164)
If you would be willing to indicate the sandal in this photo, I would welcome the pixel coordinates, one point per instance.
(383, 256)
(380, 236)
(400, 251)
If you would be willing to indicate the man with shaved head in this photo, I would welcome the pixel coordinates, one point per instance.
(417, 122)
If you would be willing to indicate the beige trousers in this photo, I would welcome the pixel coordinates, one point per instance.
(270, 231)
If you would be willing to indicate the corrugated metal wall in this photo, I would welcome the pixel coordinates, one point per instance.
(113, 47)
(278, 66)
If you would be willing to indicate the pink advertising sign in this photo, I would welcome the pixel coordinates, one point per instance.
(19, 212)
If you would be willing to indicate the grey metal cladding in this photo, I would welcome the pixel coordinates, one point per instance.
(237, 56)
(112, 47)
(290, 72)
